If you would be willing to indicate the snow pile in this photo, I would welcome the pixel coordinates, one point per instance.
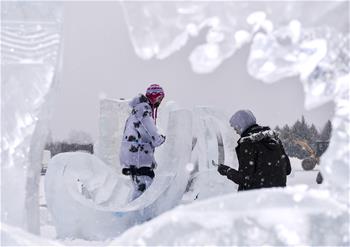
(292, 216)
(14, 236)
(30, 45)
(299, 176)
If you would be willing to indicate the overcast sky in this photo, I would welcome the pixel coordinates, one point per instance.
(99, 60)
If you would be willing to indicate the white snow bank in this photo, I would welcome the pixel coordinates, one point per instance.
(292, 216)
(14, 236)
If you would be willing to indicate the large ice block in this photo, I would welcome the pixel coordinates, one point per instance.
(113, 114)
(79, 190)
(173, 157)
(215, 141)
(30, 66)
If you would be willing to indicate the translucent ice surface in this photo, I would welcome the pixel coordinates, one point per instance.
(30, 44)
(321, 58)
(113, 114)
(159, 29)
(276, 217)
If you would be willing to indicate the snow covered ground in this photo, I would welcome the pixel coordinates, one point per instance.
(180, 213)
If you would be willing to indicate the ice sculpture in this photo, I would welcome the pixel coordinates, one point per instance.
(174, 157)
(113, 114)
(214, 140)
(79, 189)
(89, 199)
(290, 50)
(160, 29)
(30, 44)
(277, 217)
(286, 41)
(321, 57)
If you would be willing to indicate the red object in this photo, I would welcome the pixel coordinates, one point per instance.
(155, 95)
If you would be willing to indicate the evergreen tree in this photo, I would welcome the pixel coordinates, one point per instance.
(301, 131)
(313, 137)
(326, 132)
(285, 136)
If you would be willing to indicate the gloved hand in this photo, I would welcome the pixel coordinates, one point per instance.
(154, 165)
(126, 171)
(222, 169)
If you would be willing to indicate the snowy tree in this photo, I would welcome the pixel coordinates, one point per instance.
(300, 131)
(326, 132)
(285, 136)
(313, 137)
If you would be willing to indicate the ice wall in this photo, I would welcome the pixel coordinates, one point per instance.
(30, 44)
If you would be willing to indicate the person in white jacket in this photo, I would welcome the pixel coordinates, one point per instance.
(140, 139)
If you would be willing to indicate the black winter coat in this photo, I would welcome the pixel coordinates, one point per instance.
(263, 162)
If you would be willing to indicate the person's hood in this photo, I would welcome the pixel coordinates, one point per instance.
(269, 138)
(138, 100)
(242, 120)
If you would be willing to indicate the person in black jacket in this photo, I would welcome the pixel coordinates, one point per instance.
(263, 162)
